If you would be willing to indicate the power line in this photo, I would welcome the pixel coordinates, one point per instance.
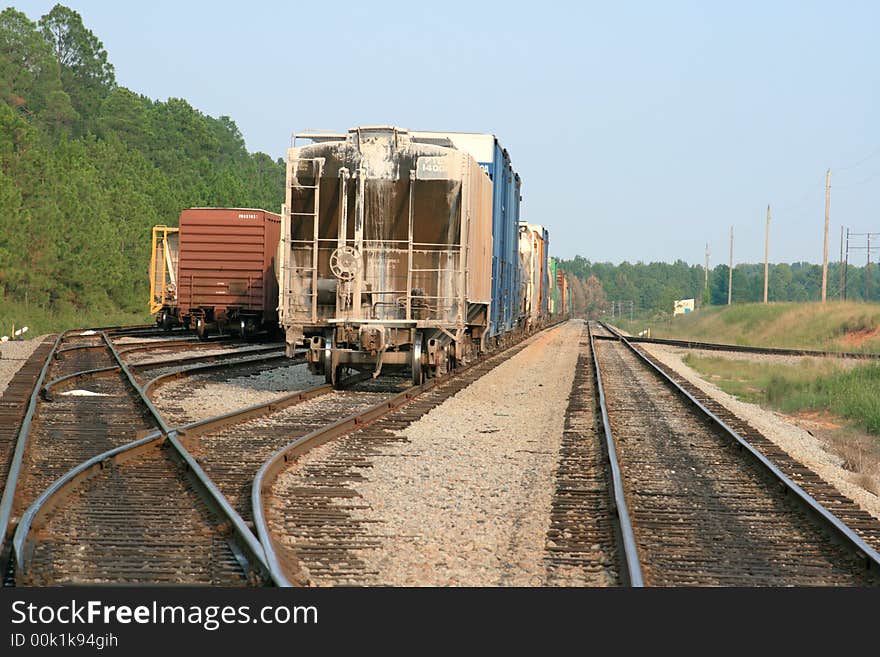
(819, 184)
(860, 182)
(860, 162)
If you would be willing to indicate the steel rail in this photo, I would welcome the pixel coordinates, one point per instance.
(8, 496)
(46, 390)
(134, 331)
(207, 367)
(78, 347)
(630, 551)
(154, 343)
(224, 356)
(773, 351)
(48, 500)
(114, 329)
(168, 362)
(177, 345)
(838, 528)
(203, 483)
(222, 420)
(272, 467)
(18, 455)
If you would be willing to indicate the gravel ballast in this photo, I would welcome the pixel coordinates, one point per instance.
(797, 442)
(13, 355)
(197, 397)
(464, 500)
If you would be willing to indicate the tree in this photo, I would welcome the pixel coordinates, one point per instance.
(80, 191)
(30, 80)
(595, 300)
(86, 74)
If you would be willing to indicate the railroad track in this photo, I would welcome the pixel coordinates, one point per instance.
(706, 505)
(159, 521)
(307, 515)
(14, 404)
(606, 332)
(584, 536)
(173, 505)
(602, 332)
(71, 428)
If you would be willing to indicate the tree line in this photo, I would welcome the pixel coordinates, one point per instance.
(652, 287)
(87, 167)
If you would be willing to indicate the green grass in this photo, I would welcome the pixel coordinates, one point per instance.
(814, 385)
(835, 326)
(40, 320)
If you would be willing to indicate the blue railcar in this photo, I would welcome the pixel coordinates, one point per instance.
(505, 236)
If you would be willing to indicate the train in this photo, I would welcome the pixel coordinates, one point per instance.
(394, 250)
(534, 243)
(216, 271)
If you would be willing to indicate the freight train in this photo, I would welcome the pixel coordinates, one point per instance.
(402, 250)
(394, 250)
(216, 271)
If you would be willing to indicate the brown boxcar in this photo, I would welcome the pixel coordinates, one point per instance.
(226, 276)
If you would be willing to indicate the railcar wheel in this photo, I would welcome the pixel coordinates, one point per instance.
(418, 375)
(165, 322)
(201, 329)
(329, 374)
(242, 330)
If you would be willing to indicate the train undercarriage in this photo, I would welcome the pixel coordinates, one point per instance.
(343, 350)
(205, 321)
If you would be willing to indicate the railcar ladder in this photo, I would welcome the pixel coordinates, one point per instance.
(317, 165)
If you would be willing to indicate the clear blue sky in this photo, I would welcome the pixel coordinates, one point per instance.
(641, 130)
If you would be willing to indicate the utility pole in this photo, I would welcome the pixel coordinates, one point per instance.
(730, 271)
(840, 273)
(846, 266)
(827, 216)
(868, 271)
(767, 253)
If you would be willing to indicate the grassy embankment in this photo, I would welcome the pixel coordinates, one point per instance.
(837, 326)
(843, 396)
(40, 321)
(844, 402)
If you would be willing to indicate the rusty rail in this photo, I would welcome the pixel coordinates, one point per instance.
(20, 444)
(832, 523)
(629, 551)
(65, 485)
(203, 483)
(273, 466)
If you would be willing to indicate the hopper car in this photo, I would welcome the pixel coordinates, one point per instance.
(403, 251)
(534, 241)
(386, 254)
(560, 294)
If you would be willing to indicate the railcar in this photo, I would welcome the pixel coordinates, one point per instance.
(534, 241)
(163, 274)
(554, 289)
(560, 297)
(495, 161)
(216, 272)
(386, 254)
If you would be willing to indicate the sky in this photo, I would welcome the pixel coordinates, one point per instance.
(642, 130)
